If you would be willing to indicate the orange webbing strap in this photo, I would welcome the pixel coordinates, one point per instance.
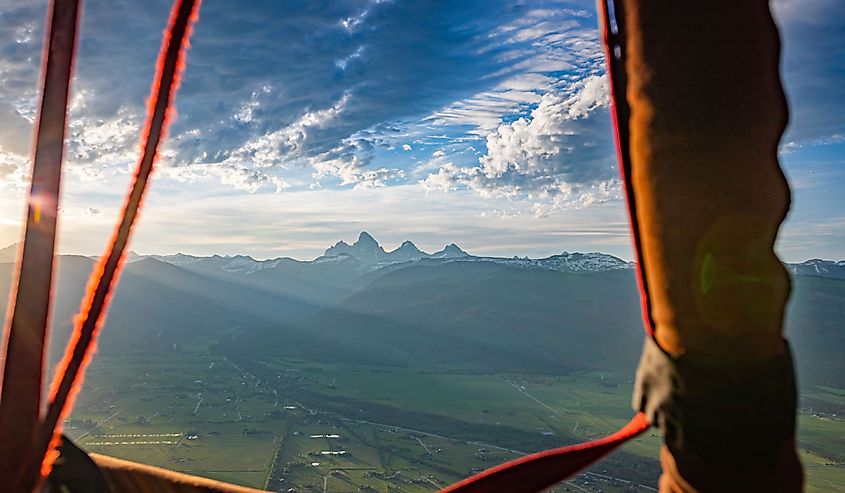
(537, 472)
(707, 111)
(70, 371)
(125, 476)
(29, 305)
(613, 41)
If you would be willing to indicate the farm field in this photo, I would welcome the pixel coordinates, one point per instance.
(284, 424)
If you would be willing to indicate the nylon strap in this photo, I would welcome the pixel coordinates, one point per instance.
(536, 472)
(27, 325)
(613, 42)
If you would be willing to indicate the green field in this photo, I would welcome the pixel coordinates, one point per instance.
(265, 423)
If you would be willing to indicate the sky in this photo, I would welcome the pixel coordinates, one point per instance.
(300, 123)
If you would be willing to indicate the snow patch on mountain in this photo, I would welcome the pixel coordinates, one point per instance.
(367, 251)
(450, 251)
(565, 262)
(831, 269)
(9, 253)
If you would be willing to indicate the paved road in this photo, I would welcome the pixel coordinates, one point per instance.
(423, 446)
(538, 401)
(98, 425)
(197, 409)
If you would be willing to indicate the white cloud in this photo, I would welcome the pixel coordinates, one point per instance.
(245, 113)
(348, 162)
(546, 157)
(276, 148)
(353, 22)
(528, 146)
(24, 33)
(447, 178)
(343, 62)
(811, 11)
(254, 164)
(14, 170)
(545, 43)
(93, 146)
(239, 178)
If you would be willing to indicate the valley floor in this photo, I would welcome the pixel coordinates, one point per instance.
(298, 426)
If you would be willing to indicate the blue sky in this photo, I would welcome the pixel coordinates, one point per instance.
(483, 123)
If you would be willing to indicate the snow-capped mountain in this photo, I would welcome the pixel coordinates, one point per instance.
(179, 259)
(233, 264)
(450, 251)
(565, 262)
(366, 254)
(9, 253)
(368, 251)
(820, 268)
(407, 252)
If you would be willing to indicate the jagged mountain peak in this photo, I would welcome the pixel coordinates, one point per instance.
(407, 246)
(366, 249)
(450, 251)
(366, 239)
(819, 268)
(132, 256)
(9, 253)
(406, 252)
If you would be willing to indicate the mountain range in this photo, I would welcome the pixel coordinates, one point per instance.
(366, 254)
(360, 304)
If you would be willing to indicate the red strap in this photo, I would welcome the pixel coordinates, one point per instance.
(536, 472)
(69, 374)
(29, 307)
(614, 48)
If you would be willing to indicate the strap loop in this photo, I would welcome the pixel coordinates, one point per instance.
(732, 417)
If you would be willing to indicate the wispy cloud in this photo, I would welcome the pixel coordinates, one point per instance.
(558, 156)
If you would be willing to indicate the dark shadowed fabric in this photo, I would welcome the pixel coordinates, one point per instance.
(707, 111)
(75, 472)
